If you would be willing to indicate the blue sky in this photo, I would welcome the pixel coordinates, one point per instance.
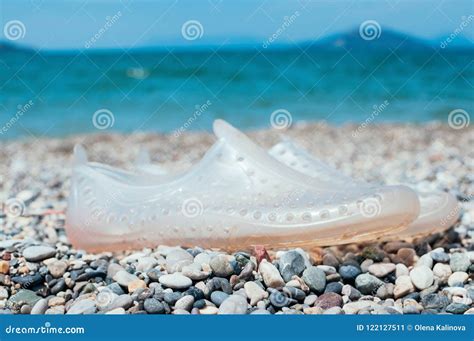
(65, 24)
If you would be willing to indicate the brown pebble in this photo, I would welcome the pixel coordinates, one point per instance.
(329, 300)
(4, 267)
(406, 256)
(393, 247)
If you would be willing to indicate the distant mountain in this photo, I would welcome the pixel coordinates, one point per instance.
(10, 47)
(384, 39)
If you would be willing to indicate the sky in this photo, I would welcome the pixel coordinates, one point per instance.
(74, 24)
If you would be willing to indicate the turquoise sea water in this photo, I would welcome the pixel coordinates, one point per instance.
(57, 93)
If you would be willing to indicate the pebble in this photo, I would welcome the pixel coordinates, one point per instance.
(185, 303)
(57, 268)
(315, 279)
(146, 264)
(310, 299)
(459, 262)
(233, 305)
(334, 311)
(354, 307)
(291, 264)
(23, 296)
(442, 271)
(329, 300)
(40, 307)
(407, 256)
(294, 293)
(457, 279)
(176, 281)
(194, 272)
(271, 275)
(401, 270)
(439, 256)
(117, 311)
(349, 272)
(153, 306)
(4, 267)
(221, 266)
(367, 284)
(177, 259)
(425, 260)
(333, 287)
(421, 276)
(403, 286)
(352, 293)
(209, 310)
(457, 308)
(381, 269)
(254, 292)
(217, 297)
(435, 301)
(279, 300)
(38, 253)
(124, 278)
(82, 306)
(136, 284)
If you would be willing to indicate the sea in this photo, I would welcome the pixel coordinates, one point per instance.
(59, 93)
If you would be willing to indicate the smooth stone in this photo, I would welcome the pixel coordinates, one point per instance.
(403, 286)
(209, 310)
(153, 306)
(334, 311)
(457, 308)
(172, 297)
(459, 262)
(124, 278)
(294, 293)
(329, 300)
(146, 264)
(57, 310)
(234, 305)
(40, 307)
(23, 296)
(270, 274)
(254, 292)
(38, 253)
(185, 303)
(367, 284)
(82, 306)
(123, 301)
(435, 301)
(407, 256)
(117, 311)
(385, 291)
(176, 259)
(315, 279)
(334, 287)
(401, 270)
(221, 266)
(135, 285)
(425, 260)
(3, 293)
(176, 281)
(349, 272)
(113, 268)
(260, 312)
(312, 311)
(381, 269)
(330, 259)
(442, 271)
(439, 256)
(194, 272)
(421, 276)
(217, 297)
(291, 264)
(202, 258)
(57, 268)
(310, 299)
(354, 307)
(457, 279)
(352, 293)
(56, 300)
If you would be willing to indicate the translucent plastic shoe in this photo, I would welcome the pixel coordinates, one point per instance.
(235, 197)
(438, 210)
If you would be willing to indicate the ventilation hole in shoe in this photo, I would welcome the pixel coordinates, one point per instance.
(209, 228)
(293, 164)
(306, 216)
(176, 229)
(240, 158)
(276, 205)
(87, 191)
(289, 216)
(153, 217)
(142, 222)
(132, 211)
(193, 228)
(293, 205)
(165, 211)
(257, 215)
(310, 204)
(123, 219)
(243, 212)
(305, 166)
(324, 214)
(230, 210)
(250, 172)
(272, 216)
(343, 209)
(282, 152)
(227, 230)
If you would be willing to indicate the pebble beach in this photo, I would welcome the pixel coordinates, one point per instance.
(42, 273)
